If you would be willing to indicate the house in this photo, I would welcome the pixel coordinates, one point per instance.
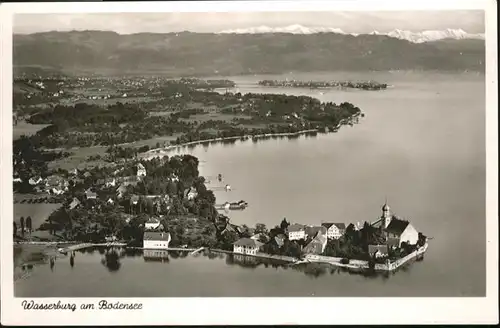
(317, 245)
(246, 246)
(74, 171)
(121, 190)
(87, 174)
(89, 194)
(17, 180)
(110, 239)
(141, 171)
(74, 203)
(55, 181)
(334, 230)
(190, 193)
(35, 181)
(312, 231)
(402, 231)
(296, 232)
(259, 236)
(110, 201)
(229, 228)
(55, 191)
(152, 224)
(378, 250)
(111, 183)
(156, 240)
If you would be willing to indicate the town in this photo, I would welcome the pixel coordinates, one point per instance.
(86, 152)
(171, 209)
(364, 85)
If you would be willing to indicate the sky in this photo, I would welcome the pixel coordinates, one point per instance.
(351, 22)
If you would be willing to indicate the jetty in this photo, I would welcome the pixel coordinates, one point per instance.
(73, 248)
(197, 250)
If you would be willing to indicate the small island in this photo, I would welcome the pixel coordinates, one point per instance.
(364, 85)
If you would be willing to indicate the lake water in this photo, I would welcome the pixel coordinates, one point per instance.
(421, 145)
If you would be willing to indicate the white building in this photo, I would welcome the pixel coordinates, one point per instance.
(191, 193)
(296, 232)
(156, 240)
(152, 224)
(246, 246)
(141, 171)
(402, 231)
(334, 230)
(111, 183)
(396, 230)
(89, 194)
(35, 181)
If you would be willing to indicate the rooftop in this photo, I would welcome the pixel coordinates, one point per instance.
(153, 235)
(247, 242)
(313, 230)
(397, 226)
(328, 225)
(295, 227)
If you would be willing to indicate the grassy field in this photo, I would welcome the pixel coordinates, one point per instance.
(106, 102)
(153, 141)
(38, 212)
(22, 87)
(23, 128)
(162, 113)
(78, 157)
(213, 116)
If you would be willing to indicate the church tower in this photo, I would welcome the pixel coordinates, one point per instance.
(386, 215)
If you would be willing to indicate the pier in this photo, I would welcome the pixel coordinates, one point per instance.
(197, 250)
(73, 248)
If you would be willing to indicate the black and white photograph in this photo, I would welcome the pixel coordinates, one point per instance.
(253, 154)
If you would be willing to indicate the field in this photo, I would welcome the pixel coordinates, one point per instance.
(153, 141)
(200, 118)
(38, 212)
(78, 157)
(23, 128)
(22, 87)
(106, 102)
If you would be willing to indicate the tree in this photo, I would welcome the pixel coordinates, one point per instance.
(228, 239)
(22, 225)
(284, 224)
(29, 223)
(15, 228)
(260, 228)
(263, 239)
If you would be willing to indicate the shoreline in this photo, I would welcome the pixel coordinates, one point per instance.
(245, 137)
(150, 153)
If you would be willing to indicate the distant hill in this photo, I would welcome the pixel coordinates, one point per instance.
(192, 54)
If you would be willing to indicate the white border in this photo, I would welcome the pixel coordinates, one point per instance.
(205, 311)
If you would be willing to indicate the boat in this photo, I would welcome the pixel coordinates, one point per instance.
(241, 205)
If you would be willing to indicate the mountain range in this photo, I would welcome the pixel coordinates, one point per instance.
(415, 37)
(202, 54)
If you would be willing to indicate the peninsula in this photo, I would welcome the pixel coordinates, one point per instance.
(84, 164)
(364, 85)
